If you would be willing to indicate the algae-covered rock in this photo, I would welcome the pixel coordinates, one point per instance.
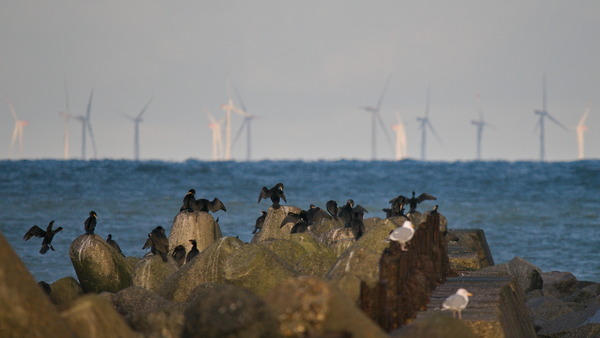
(322, 228)
(65, 290)
(308, 306)
(26, 311)
(435, 326)
(151, 272)
(272, 226)
(353, 266)
(339, 239)
(222, 310)
(93, 316)
(206, 267)
(197, 225)
(98, 266)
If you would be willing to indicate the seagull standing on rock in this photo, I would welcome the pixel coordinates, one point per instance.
(457, 302)
(403, 234)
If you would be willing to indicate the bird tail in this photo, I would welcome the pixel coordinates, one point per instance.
(44, 249)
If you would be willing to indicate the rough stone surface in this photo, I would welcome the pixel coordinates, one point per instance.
(339, 239)
(559, 284)
(571, 322)
(151, 271)
(26, 311)
(167, 321)
(272, 226)
(65, 290)
(309, 306)
(435, 326)
(546, 308)
(528, 276)
(221, 310)
(93, 316)
(98, 266)
(468, 249)
(197, 225)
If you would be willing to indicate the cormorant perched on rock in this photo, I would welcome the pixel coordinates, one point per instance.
(332, 208)
(114, 244)
(403, 234)
(397, 208)
(47, 236)
(158, 242)
(179, 254)
(90, 223)
(413, 201)
(299, 220)
(347, 212)
(193, 251)
(275, 194)
(314, 215)
(457, 302)
(259, 222)
(189, 201)
(356, 224)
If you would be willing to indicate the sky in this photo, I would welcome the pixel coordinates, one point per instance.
(304, 69)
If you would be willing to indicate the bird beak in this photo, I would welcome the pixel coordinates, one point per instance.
(469, 294)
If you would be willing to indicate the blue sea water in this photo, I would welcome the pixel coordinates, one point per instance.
(544, 212)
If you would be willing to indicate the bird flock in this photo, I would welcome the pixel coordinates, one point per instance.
(350, 215)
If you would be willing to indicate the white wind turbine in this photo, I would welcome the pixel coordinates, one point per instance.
(136, 132)
(479, 124)
(66, 115)
(217, 143)
(376, 118)
(581, 129)
(86, 126)
(424, 124)
(245, 126)
(399, 129)
(544, 114)
(228, 108)
(17, 135)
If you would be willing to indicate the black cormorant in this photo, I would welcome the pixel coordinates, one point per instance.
(47, 236)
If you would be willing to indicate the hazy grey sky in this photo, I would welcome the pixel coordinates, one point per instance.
(304, 68)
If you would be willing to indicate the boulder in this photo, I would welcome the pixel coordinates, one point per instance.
(322, 228)
(205, 268)
(584, 323)
(65, 290)
(559, 284)
(353, 266)
(309, 306)
(151, 271)
(272, 226)
(339, 239)
(222, 310)
(545, 309)
(303, 253)
(468, 249)
(98, 266)
(197, 225)
(527, 275)
(93, 316)
(435, 326)
(26, 311)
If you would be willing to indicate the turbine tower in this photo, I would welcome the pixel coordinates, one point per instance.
(228, 108)
(581, 129)
(376, 118)
(479, 124)
(136, 132)
(544, 114)
(87, 126)
(424, 124)
(245, 125)
(398, 128)
(17, 135)
(66, 115)
(217, 143)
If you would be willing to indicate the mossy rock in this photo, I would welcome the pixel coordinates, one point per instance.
(197, 225)
(272, 226)
(65, 290)
(98, 266)
(151, 271)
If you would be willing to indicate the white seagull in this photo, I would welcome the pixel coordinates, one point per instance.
(457, 302)
(403, 234)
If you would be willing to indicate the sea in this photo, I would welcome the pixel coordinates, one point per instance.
(548, 213)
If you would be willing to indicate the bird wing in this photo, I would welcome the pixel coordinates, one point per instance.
(332, 208)
(455, 302)
(402, 234)
(399, 199)
(34, 231)
(283, 196)
(359, 208)
(57, 230)
(148, 244)
(217, 205)
(424, 197)
(264, 194)
(290, 218)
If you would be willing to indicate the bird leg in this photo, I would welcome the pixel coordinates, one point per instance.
(403, 247)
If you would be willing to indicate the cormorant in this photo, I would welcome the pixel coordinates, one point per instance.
(332, 209)
(158, 242)
(206, 205)
(193, 251)
(346, 213)
(275, 194)
(90, 223)
(47, 236)
(413, 201)
(314, 215)
(356, 224)
(179, 254)
(114, 244)
(299, 220)
(189, 201)
(259, 222)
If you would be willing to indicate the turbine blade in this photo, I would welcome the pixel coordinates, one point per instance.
(428, 99)
(67, 97)
(383, 93)
(211, 118)
(239, 98)
(89, 106)
(556, 121)
(12, 110)
(387, 136)
(584, 117)
(89, 125)
(239, 132)
(544, 92)
(144, 109)
(433, 131)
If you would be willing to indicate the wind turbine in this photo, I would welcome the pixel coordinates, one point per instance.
(217, 144)
(479, 124)
(66, 115)
(376, 118)
(228, 108)
(398, 128)
(86, 126)
(245, 125)
(544, 114)
(17, 135)
(424, 124)
(136, 135)
(581, 129)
